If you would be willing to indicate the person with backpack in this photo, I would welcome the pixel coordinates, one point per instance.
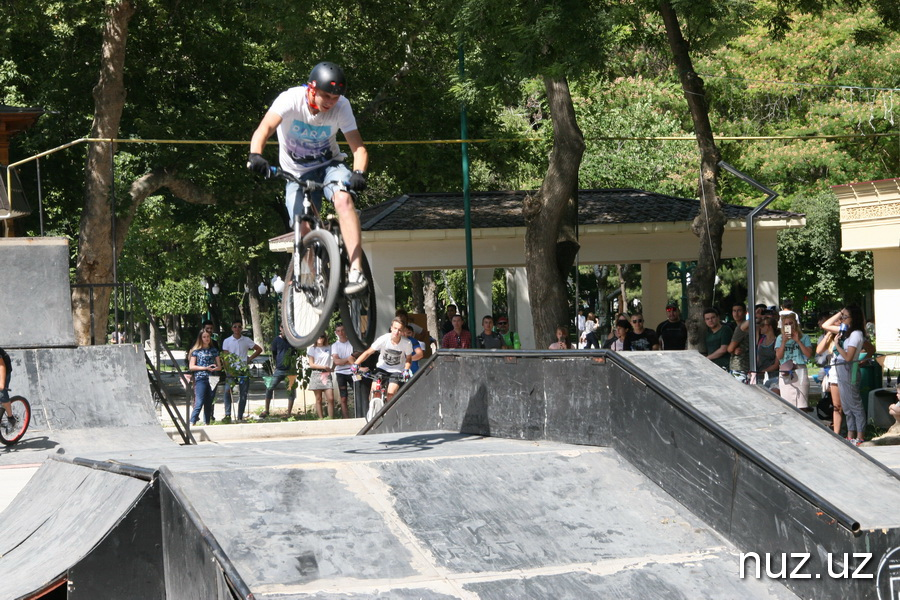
(5, 377)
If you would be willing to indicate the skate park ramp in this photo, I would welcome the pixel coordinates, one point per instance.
(87, 529)
(492, 475)
(764, 475)
(36, 311)
(84, 399)
(431, 515)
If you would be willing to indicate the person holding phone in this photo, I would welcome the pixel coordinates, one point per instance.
(793, 349)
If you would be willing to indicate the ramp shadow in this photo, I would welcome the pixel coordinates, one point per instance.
(413, 443)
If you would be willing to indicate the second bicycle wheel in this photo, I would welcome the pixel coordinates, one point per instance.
(358, 310)
(309, 300)
(12, 431)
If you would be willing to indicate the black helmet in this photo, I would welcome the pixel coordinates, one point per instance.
(328, 77)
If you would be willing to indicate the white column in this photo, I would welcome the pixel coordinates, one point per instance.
(887, 299)
(766, 247)
(653, 292)
(524, 324)
(484, 284)
(383, 273)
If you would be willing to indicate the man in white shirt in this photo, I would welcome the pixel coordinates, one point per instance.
(342, 357)
(394, 360)
(239, 346)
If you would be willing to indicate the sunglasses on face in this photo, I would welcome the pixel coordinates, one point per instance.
(502, 323)
(637, 320)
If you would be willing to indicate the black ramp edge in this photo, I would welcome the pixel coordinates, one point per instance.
(195, 565)
(128, 562)
(35, 301)
(57, 519)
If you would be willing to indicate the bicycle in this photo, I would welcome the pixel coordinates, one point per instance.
(380, 382)
(12, 431)
(320, 259)
(379, 388)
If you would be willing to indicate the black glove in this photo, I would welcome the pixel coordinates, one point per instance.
(357, 181)
(257, 164)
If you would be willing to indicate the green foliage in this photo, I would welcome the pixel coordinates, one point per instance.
(813, 269)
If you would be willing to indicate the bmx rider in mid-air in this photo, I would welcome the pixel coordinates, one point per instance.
(307, 119)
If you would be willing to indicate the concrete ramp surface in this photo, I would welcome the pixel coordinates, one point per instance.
(437, 515)
(85, 399)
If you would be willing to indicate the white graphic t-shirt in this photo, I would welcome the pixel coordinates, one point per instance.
(393, 356)
(308, 141)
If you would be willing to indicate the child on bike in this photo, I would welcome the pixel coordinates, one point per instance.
(307, 119)
(395, 357)
(5, 376)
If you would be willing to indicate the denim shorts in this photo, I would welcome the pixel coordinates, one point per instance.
(332, 172)
(4, 395)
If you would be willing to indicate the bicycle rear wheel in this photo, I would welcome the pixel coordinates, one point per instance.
(358, 311)
(309, 300)
(12, 432)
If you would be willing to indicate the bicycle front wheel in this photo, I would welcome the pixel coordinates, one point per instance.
(358, 310)
(12, 430)
(309, 297)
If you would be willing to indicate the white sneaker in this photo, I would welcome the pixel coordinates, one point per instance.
(356, 282)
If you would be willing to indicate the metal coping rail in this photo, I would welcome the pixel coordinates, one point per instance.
(711, 426)
(143, 473)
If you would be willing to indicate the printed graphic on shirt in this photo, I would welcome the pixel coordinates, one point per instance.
(391, 357)
(308, 144)
(640, 344)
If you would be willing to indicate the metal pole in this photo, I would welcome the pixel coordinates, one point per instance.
(751, 252)
(115, 260)
(470, 275)
(40, 197)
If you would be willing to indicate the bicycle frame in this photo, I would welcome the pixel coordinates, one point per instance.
(309, 213)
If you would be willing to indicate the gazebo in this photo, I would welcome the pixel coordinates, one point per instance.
(416, 232)
(13, 119)
(870, 220)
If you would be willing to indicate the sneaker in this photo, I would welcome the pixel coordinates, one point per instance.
(356, 282)
(11, 423)
(227, 419)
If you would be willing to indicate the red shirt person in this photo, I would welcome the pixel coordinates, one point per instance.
(457, 337)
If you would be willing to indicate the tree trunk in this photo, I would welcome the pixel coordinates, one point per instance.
(418, 298)
(253, 280)
(550, 244)
(95, 239)
(623, 297)
(709, 225)
(429, 289)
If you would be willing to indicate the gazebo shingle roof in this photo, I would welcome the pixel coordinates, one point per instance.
(504, 209)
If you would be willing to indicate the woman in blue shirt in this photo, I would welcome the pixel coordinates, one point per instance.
(204, 360)
(795, 346)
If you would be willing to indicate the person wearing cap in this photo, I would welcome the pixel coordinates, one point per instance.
(307, 119)
(510, 338)
(672, 332)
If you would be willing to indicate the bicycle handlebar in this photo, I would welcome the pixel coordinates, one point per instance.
(305, 184)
